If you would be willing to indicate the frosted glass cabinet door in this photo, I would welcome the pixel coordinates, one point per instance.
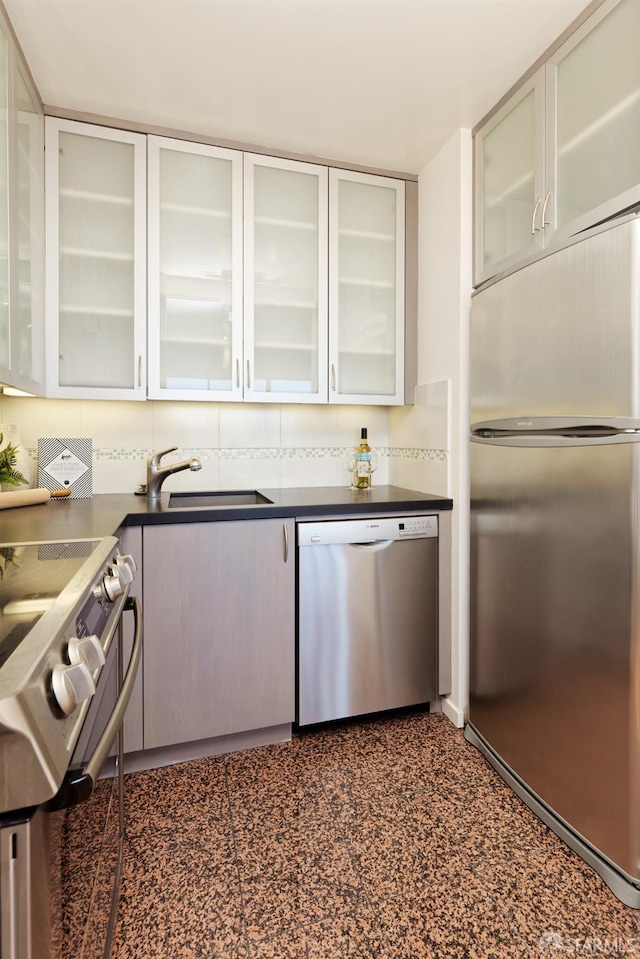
(285, 266)
(96, 262)
(29, 277)
(195, 271)
(509, 181)
(593, 119)
(5, 328)
(366, 288)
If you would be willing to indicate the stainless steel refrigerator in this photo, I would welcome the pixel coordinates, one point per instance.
(555, 543)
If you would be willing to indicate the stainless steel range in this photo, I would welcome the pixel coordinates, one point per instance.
(64, 688)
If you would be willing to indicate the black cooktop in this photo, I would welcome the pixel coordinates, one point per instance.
(32, 576)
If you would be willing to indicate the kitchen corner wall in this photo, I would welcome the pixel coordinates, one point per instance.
(240, 445)
(440, 418)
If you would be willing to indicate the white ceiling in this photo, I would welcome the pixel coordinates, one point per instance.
(382, 83)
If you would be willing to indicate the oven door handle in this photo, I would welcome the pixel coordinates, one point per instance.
(78, 786)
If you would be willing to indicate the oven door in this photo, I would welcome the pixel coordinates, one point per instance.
(86, 818)
(60, 863)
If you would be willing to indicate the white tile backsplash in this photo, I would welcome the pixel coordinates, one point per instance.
(431, 477)
(303, 426)
(185, 425)
(249, 425)
(311, 471)
(249, 473)
(37, 417)
(433, 404)
(125, 425)
(244, 446)
(118, 476)
(401, 473)
(352, 418)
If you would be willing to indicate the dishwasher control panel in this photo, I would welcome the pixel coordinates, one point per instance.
(371, 530)
(417, 527)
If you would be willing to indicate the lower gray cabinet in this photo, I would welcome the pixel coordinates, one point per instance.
(219, 627)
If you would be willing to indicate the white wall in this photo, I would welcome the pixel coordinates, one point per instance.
(440, 416)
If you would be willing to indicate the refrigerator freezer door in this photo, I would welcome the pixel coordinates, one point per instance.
(560, 337)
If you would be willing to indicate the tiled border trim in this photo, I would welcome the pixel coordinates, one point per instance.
(262, 453)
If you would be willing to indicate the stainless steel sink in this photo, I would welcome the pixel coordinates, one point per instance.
(244, 497)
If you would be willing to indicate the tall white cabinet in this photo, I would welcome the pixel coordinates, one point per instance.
(366, 288)
(96, 261)
(509, 181)
(285, 268)
(593, 120)
(21, 223)
(563, 153)
(195, 271)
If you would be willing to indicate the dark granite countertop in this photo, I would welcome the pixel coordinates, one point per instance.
(104, 513)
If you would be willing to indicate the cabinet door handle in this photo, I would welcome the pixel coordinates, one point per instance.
(534, 228)
(238, 374)
(248, 375)
(286, 542)
(333, 377)
(543, 218)
(140, 370)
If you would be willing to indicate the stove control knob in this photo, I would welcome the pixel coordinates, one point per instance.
(127, 560)
(112, 586)
(71, 686)
(124, 568)
(86, 650)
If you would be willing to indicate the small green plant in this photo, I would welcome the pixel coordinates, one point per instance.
(7, 559)
(9, 475)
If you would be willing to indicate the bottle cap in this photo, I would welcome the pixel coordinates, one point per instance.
(363, 433)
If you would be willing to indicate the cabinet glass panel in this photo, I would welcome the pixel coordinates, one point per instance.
(508, 182)
(367, 289)
(598, 115)
(5, 333)
(30, 178)
(285, 274)
(195, 272)
(96, 237)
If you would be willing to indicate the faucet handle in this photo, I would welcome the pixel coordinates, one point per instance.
(154, 460)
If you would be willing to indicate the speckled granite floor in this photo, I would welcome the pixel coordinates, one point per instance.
(390, 839)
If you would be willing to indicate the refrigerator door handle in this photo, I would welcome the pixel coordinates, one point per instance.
(557, 431)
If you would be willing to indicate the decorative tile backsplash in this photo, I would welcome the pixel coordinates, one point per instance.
(241, 446)
(257, 453)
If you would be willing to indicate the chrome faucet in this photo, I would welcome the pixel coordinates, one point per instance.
(156, 474)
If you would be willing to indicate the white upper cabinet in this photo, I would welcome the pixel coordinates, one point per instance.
(509, 181)
(593, 120)
(563, 153)
(5, 317)
(195, 271)
(366, 288)
(27, 287)
(285, 290)
(96, 261)
(21, 224)
(268, 280)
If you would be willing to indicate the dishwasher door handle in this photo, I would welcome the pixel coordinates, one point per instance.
(374, 546)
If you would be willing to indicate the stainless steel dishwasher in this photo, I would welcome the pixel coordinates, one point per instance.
(367, 616)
